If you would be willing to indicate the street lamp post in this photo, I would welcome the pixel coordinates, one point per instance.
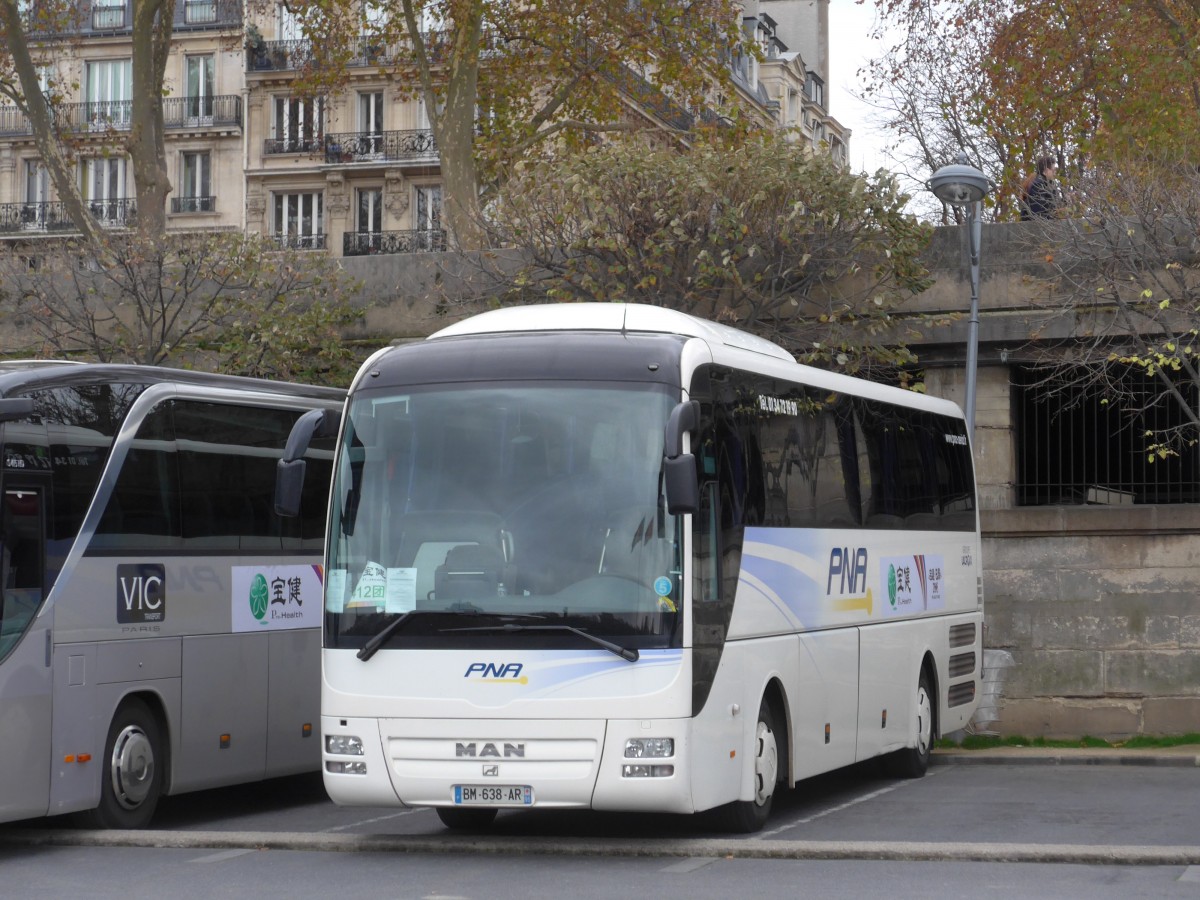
(962, 185)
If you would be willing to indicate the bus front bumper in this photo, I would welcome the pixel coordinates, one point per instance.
(626, 765)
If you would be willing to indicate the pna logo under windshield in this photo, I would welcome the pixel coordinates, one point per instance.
(505, 672)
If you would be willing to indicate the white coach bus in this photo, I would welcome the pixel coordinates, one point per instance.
(159, 623)
(615, 557)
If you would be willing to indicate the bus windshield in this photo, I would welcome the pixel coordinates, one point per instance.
(484, 506)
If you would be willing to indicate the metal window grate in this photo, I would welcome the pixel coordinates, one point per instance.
(1082, 442)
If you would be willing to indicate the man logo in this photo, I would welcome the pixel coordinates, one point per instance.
(487, 749)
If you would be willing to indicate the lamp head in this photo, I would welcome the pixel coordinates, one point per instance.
(959, 183)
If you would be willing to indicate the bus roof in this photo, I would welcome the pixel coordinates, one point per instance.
(21, 375)
(622, 317)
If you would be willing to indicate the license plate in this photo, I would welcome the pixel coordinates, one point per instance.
(493, 795)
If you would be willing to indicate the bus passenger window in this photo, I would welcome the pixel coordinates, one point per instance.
(20, 565)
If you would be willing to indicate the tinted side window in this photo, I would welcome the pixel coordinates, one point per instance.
(921, 474)
(80, 422)
(227, 460)
(200, 477)
(143, 510)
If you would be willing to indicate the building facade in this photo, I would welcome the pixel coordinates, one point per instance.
(352, 173)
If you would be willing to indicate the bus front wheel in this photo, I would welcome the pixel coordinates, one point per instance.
(748, 816)
(466, 819)
(912, 762)
(131, 779)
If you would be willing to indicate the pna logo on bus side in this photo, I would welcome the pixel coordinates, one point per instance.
(141, 593)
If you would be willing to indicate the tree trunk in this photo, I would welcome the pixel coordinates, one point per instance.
(153, 22)
(454, 131)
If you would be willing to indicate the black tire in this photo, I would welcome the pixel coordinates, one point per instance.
(749, 816)
(466, 819)
(132, 770)
(913, 762)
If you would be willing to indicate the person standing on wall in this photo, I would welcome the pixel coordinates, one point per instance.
(1040, 198)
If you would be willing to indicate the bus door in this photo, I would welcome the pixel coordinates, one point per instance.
(25, 671)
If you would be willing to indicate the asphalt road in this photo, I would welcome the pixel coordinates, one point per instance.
(1032, 807)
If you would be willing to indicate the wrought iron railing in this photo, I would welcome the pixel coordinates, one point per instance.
(299, 241)
(200, 12)
(202, 112)
(52, 215)
(278, 56)
(364, 146)
(269, 56)
(178, 112)
(193, 204)
(1080, 441)
(365, 243)
(108, 16)
(299, 144)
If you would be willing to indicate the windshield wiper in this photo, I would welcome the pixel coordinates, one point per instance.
(628, 653)
(374, 643)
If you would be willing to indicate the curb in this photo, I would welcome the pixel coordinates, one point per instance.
(747, 848)
(1021, 756)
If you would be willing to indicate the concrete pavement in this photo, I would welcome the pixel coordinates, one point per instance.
(733, 846)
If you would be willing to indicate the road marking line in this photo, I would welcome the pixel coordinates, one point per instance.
(222, 856)
(406, 812)
(689, 865)
(849, 803)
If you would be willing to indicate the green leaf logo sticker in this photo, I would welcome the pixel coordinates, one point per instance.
(259, 596)
(892, 585)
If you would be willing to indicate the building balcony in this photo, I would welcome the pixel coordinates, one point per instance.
(52, 216)
(278, 56)
(299, 241)
(383, 146)
(193, 204)
(283, 56)
(224, 111)
(114, 17)
(365, 243)
(295, 144)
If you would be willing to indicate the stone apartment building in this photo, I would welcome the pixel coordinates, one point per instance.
(349, 174)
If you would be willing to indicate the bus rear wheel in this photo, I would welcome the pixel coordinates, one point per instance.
(466, 819)
(912, 762)
(131, 779)
(748, 816)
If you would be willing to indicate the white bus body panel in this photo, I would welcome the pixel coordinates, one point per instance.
(555, 703)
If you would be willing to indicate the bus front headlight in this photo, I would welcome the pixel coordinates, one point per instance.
(649, 748)
(343, 745)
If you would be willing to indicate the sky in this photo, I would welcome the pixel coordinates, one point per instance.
(849, 50)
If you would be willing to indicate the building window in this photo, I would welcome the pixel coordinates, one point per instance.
(200, 12)
(36, 211)
(200, 77)
(296, 127)
(429, 217)
(1081, 442)
(814, 87)
(109, 93)
(287, 26)
(108, 15)
(370, 122)
(195, 184)
(103, 186)
(297, 220)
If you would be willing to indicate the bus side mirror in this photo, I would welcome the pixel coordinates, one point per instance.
(679, 468)
(289, 472)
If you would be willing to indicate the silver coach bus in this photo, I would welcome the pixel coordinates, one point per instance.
(159, 623)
